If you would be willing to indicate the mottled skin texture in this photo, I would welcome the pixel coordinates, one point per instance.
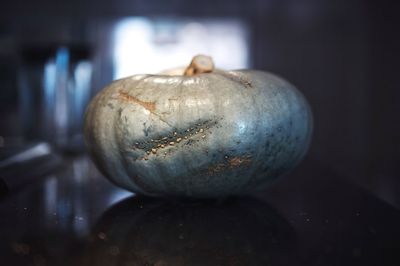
(209, 135)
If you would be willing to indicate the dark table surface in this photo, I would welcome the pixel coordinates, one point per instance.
(73, 216)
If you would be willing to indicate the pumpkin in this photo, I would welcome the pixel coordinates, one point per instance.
(197, 132)
(148, 231)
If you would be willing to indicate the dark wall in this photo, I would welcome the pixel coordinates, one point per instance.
(343, 55)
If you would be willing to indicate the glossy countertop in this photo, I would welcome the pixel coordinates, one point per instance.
(74, 216)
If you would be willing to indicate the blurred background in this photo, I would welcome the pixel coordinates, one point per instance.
(343, 55)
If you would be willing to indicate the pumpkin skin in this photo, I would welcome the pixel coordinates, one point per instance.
(208, 135)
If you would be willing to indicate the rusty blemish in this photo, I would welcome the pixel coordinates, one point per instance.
(239, 79)
(150, 106)
(235, 162)
(230, 163)
(216, 168)
(246, 83)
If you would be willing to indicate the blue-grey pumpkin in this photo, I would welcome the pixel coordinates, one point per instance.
(201, 132)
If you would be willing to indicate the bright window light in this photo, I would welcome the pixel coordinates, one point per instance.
(143, 45)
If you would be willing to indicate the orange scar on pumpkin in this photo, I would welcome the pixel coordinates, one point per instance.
(150, 106)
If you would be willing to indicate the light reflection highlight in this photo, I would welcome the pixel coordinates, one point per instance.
(143, 45)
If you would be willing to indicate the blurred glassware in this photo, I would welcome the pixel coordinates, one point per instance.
(54, 89)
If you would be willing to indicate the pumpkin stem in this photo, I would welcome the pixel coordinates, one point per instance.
(200, 64)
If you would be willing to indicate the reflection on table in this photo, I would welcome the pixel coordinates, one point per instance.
(311, 217)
